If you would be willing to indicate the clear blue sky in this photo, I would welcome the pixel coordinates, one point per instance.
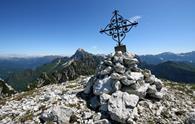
(36, 27)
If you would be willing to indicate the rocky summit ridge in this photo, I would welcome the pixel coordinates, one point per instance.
(5, 89)
(119, 92)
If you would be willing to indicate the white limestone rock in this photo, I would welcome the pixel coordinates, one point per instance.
(104, 98)
(158, 112)
(128, 82)
(130, 62)
(193, 93)
(117, 59)
(137, 90)
(57, 114)
(90, 121)
(191, 118)
(150, 79)
(130, 100)
(120, 105)
(89, 85)
(104, 102)
(119, 68)
(136, 76)
(44, 97)
(141, 91)
(116, 85)
(158, 83)
(103, 86)
(106, 71)
(87, 115)
(157, 95)
(117, 76)
(108, 62)
(128, 74)
(103, 121)
(97, 116)
(1, 88)
(134, 114)
(129, 55)
(135, 68)
(35, 108)
(147, 73)
(57, 91)
(153, 93)
(130, 121)
(119, 53)
(152, 89)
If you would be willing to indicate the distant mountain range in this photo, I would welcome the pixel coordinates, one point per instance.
(175, 71)
(168, 56)
(171, 66)
(59, 70)
(176, 67)
(9, 65)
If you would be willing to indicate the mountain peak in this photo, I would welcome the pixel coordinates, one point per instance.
(80, 50)
(79, 54)
(166, 53)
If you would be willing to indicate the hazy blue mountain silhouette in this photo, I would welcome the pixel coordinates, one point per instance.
(11, 65)
(175, 71)
(168, 56)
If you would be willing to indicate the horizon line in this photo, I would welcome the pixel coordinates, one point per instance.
(11, 55)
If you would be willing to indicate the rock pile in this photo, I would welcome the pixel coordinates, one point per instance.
(119, 85)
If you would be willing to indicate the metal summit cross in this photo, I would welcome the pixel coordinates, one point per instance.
(118, 28)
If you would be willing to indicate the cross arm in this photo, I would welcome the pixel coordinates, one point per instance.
(132, 24)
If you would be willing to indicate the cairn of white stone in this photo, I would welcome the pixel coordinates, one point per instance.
(119, 84)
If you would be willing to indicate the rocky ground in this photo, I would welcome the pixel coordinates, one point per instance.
(119, 92)
(61, 103)
(177, 106)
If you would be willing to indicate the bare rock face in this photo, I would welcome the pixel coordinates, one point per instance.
(136, 76)
(191, 118)
(120, 105)
(89, 85)
(58, 114)
(104, 86)
(193, 94)
(5, 89)
(103, 121)
(119, 68)
(119, 85)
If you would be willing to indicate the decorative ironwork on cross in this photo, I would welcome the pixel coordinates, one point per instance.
(118, 28)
